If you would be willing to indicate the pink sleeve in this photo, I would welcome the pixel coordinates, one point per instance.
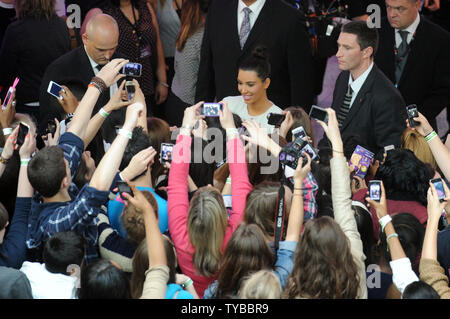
(240, 185)
(177, 191)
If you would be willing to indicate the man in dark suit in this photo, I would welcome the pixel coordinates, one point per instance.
(366, 102)
(271, 23)
(419, 67)
(100, 42)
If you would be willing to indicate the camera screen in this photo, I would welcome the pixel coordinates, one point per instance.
(166, 152)
(375, 191)
(54, 89)
(132, 69)
(318, 113)
(211, 109)
(308, 149)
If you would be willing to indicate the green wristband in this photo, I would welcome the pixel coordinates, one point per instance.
(430, 136)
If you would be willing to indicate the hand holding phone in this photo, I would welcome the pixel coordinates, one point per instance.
(9, 95)
(124, 188)
(23, 131)
(412, 112)
(54, 89)
(131, 89)
(439, 186)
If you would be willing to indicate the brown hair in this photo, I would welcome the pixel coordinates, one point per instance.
(206, 224)
(246, 252)
(158, 132)
(263, 284)
(301, 118)
(133, 220)
(323, 265)
(192, 20)
(35, 8)
(413, 141)
(141, 265)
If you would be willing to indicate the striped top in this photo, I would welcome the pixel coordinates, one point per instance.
(186, 68)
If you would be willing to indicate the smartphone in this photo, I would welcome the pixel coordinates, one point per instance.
(51, 127)
(131, 89)
(275, 119)
(318, 113)
(166, 153)
(412, 112)
(124, 188)
(54, 89)
(299, 132)
(132, 69)
(211, 109)
(9, 94)
(389, 148)
(438, 184)
(375, 190)
(23, 131)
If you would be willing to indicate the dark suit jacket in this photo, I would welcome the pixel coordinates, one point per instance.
(378, 113)
(75, 65)
(426, 78)
(279, 27)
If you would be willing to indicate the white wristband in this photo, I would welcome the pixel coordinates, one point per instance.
(103, 113)
(126, 133)
(384, 221)
(7, 131)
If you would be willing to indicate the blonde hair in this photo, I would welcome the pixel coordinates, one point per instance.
(413, 141)
(207, 223)
(263, 284)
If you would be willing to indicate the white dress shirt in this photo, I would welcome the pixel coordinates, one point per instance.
(411, 30)
(256, 8)
(358, 83)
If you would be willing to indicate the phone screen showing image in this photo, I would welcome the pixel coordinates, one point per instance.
(437, 182)
(375, 190)
(166, 152)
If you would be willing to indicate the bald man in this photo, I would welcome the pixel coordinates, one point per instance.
(100, 41)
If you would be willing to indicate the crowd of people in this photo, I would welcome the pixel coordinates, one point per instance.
(131, 186)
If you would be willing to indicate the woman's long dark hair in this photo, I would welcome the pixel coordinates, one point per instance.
(246, 252)
(323, 264)
(35, 8)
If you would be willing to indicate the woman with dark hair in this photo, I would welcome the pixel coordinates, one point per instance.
(139, 42)
(186, 60)
(253, 81)
(406, 179)
(28, 49)
(329, 261)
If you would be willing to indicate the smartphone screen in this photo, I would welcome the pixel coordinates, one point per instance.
(132, 69)
(54, 89)
(437, 182)
(131, 89)
(375, 190)
(211, 109)
(318, 113)
(23, 131)
(166, 153)
(299, 132)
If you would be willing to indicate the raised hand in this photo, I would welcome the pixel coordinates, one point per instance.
(424, 128)
(226, 117)
(69, 102)
(110, 72)
(381, 206)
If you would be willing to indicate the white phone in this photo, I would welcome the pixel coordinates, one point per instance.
(54, 89)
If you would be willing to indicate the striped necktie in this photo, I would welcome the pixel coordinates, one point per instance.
(402, 54)
(245, 27)
(345, 108)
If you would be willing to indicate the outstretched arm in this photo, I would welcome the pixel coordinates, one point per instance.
(109, 165)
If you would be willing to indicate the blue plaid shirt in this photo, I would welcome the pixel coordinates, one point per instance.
(79, 214)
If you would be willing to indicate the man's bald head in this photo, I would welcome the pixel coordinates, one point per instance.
(101, 38)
